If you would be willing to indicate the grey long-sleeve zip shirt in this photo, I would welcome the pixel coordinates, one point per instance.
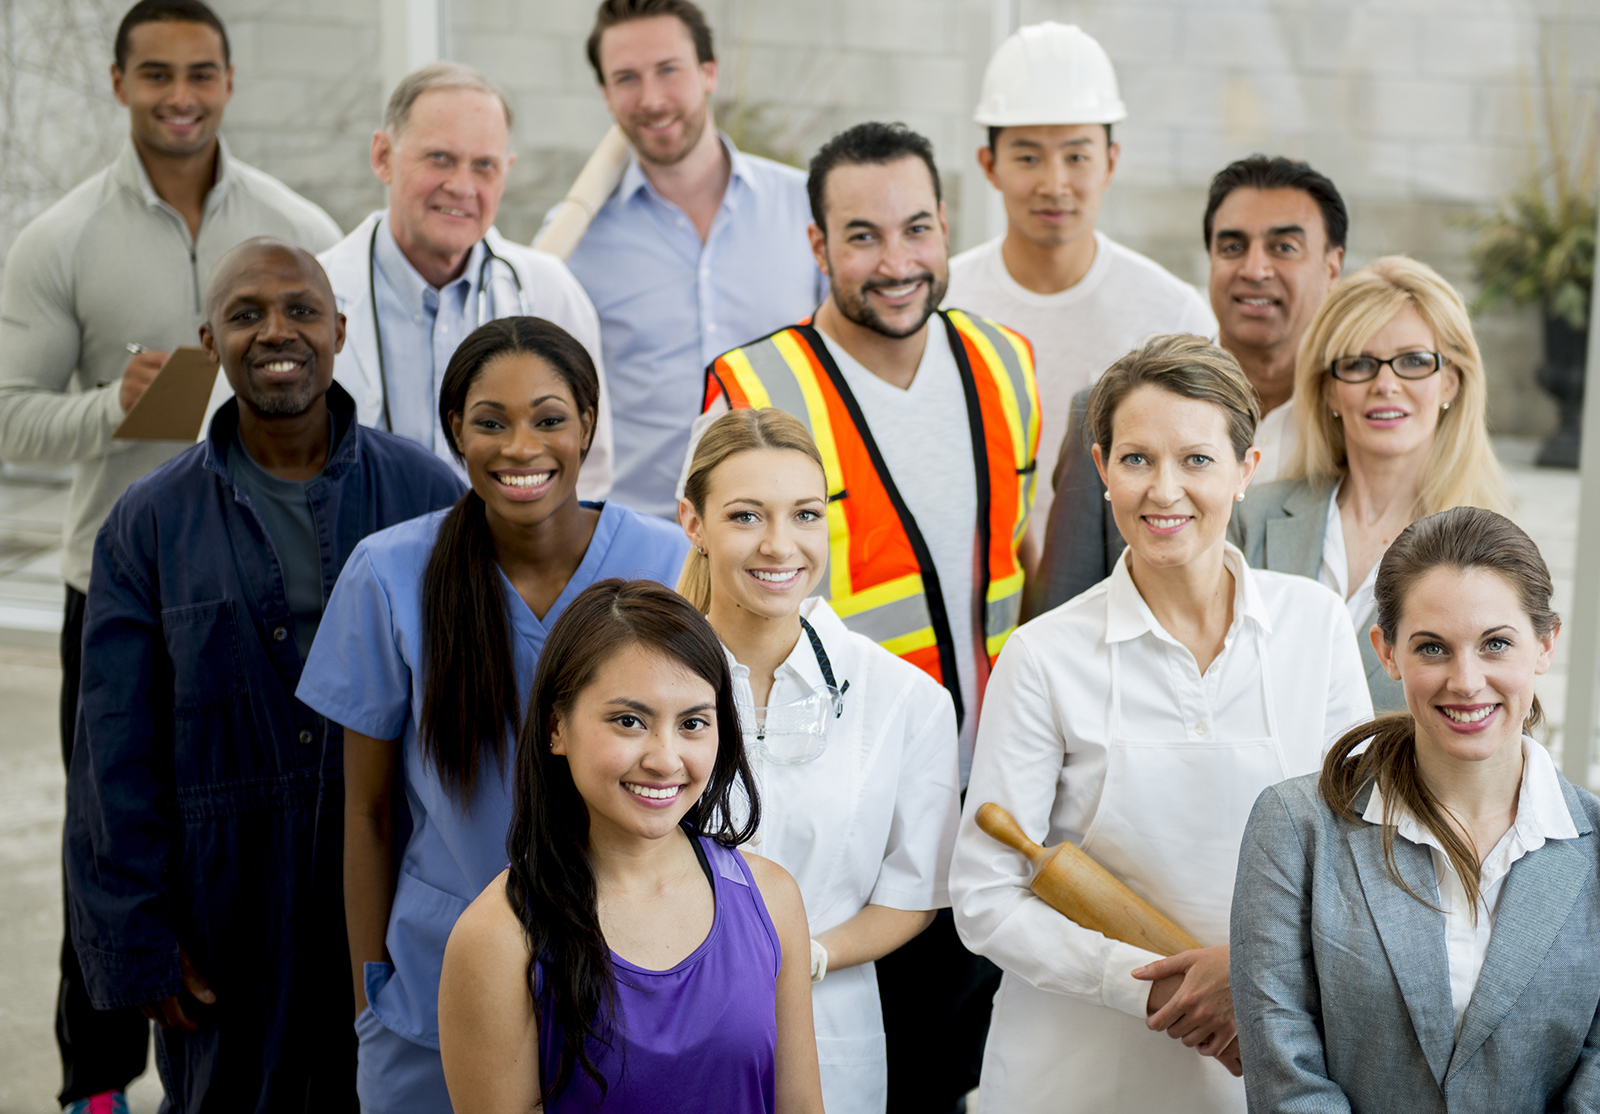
(108, 264)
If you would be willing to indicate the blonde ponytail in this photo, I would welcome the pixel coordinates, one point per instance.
(694, 582)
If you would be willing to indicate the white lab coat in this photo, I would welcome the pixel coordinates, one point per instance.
(549, 288)
(1099, 728)
(870, 821)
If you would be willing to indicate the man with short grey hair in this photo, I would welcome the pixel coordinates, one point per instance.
(415, 279)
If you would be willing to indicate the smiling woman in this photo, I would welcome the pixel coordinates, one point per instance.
(437, 626)
(1140, 720)
(631, 955)
(853, 749)
(1389, 401)
(1415, 927)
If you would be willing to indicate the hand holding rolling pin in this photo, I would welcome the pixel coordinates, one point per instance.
(1189, 1000)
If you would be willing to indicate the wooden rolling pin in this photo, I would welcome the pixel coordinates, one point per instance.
(1082, 890)
(589, 191)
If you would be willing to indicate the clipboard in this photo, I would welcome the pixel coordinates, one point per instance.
(174, 405)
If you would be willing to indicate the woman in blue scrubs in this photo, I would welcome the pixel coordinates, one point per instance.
(425, 652)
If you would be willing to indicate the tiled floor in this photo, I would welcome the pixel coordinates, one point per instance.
(31, 508)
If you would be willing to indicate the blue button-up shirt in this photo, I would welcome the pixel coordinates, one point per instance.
(669, 304)
(421, 328)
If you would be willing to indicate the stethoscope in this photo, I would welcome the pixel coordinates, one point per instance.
(484, 316)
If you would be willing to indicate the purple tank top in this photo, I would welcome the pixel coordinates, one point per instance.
(701, 1036)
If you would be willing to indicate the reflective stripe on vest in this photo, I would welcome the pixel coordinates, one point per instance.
(876, 582)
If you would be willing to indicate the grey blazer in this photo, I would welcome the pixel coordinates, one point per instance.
(1081, 540)
(1281, 526)
(1341, 985)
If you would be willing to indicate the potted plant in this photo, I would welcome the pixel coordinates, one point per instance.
(1539, 249)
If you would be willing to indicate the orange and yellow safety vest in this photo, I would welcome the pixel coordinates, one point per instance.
(881, 580)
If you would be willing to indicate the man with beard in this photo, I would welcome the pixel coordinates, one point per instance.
(701, 247)
(928, 421)
(116, 266)
(204, 837)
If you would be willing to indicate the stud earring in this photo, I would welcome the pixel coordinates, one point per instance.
(1335, 413)
(1238, 497)
(1446, 406)
(1107, 495)
(700, 549)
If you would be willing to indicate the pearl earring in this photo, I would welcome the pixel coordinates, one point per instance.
(1239, 497)
(1446, 406)
(1107, 495)
(1335, 413)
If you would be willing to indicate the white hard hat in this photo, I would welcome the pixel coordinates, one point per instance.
(1049, 73)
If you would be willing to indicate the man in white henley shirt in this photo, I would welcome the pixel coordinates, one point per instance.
(121, 260)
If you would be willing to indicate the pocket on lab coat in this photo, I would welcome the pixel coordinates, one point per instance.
(855, 1074)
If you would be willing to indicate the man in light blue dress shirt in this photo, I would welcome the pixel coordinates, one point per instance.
(702, 248)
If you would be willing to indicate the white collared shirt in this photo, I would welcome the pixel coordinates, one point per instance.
(1335, 572)
(1044, 739)
(1542, 814)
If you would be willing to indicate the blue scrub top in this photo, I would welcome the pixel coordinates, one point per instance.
(364, 672)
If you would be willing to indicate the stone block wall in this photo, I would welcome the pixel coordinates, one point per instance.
(1418, 109)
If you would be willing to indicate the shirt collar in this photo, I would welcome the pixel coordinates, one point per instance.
(406, 281)
(801, 664)
(347, 432)
(129, 171)
(1542, 811)
(634, 179)
(1128, 616)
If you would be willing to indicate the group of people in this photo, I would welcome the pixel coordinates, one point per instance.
(573, 686)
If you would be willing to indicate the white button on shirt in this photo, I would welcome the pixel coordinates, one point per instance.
(872, 820)
(1541, 814)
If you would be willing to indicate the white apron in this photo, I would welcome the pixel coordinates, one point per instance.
(1169, 824)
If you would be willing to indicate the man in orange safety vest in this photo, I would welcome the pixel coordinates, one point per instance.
(928, 422)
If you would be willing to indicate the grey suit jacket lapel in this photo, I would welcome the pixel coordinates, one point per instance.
(1412, 935)
(1535, 902)
(1294, 542)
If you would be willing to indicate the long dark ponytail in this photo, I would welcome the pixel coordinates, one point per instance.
(1462, 538)
(469, 696)
(550, 885)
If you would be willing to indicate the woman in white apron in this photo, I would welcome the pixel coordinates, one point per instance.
(853, 749)
(1141, 720)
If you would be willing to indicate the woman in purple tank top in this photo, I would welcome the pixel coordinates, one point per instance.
(631, 958)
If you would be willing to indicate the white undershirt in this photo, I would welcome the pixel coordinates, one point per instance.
(1277, 436)
(1542, 814)
(926, 443)
(1078, 332)
(1335, 572)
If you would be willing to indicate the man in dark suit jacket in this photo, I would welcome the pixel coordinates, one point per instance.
(1275, 231)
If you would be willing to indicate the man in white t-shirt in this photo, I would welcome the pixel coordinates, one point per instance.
(1275, 232)
(1049, 100)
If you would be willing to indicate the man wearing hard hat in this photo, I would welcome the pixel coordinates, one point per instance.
(1049, 100)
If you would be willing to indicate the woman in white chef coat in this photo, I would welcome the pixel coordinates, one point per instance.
(854, 750)
(1140, 720)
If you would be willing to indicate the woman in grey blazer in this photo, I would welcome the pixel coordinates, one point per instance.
(1389, 399)
(1416, 928)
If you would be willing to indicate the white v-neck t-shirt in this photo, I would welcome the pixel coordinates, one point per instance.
(1078, 332)
(926, 443)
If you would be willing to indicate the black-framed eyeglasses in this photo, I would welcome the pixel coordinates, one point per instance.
(1407, 365)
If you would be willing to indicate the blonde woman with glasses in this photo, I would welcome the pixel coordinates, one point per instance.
(1390, 398)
